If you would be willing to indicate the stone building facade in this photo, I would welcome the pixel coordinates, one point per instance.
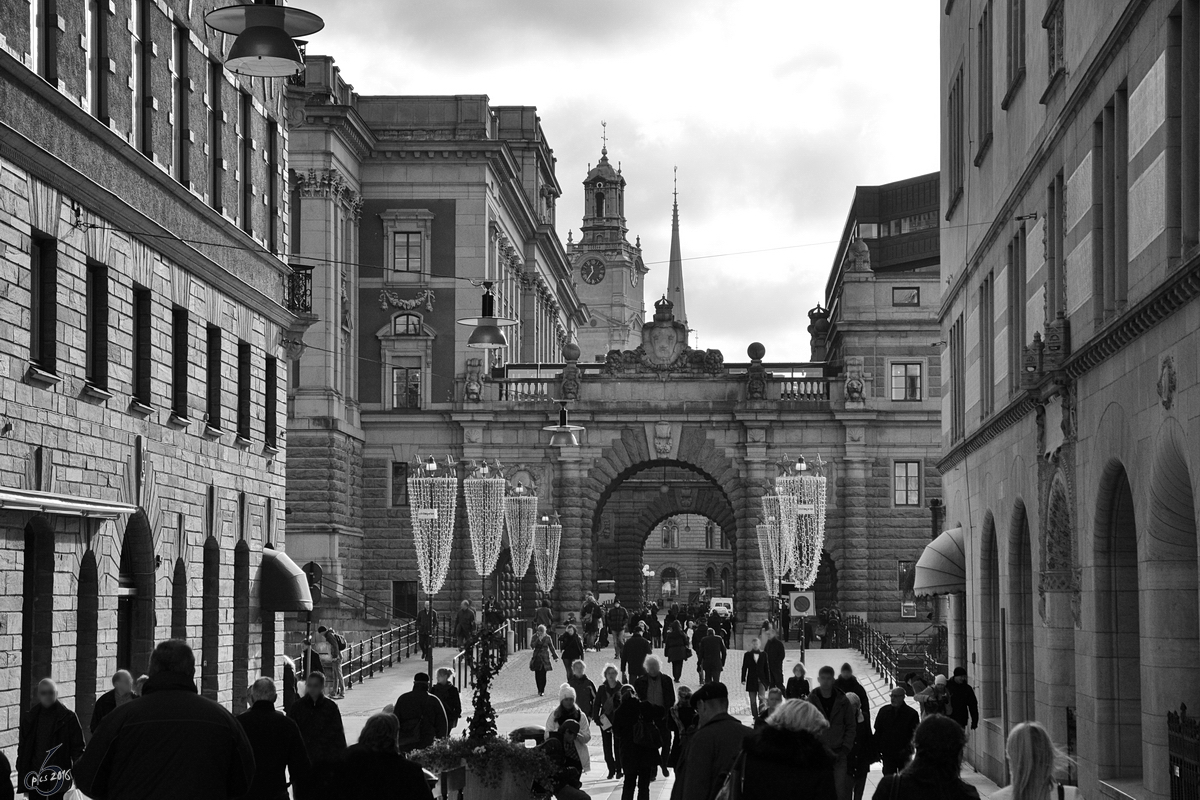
(687, 552)
(1069, 260)
(143, 350)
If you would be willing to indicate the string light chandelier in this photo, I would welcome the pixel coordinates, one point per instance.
(520, 517)
(547, 537)
(433, 501)
(483, 493)
(806, 485)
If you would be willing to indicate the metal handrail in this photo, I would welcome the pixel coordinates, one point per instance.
(875, 647)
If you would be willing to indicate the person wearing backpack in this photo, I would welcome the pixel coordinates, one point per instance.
(638, 725)
(337, 645)
(422, 716)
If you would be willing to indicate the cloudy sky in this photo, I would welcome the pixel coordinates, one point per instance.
(773, 111)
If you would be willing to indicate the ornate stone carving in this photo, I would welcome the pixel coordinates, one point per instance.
(293, 346)
(858, 257)
(423, 298)
(570, 374)
(664, 349)
(856, 386)
(473, 389)
(1058, 343)
(328, 183)
(756, 376)
(1166, 382)
(662, 438)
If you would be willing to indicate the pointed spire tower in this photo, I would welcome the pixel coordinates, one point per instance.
(675, 274)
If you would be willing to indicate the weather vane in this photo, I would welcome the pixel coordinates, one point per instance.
(604, 136)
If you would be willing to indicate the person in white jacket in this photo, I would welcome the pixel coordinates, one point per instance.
(567, 709)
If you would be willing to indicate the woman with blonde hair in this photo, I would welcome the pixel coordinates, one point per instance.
(1034, 760)
(785, 758)
(539, 662)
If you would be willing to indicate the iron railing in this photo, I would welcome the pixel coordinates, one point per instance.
(375, 653)
(519, 628)
(298, 290)
(876, 647)
(1183, 750)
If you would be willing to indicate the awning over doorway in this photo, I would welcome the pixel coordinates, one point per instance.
(942, 568)
(282, 585)
(63, 504)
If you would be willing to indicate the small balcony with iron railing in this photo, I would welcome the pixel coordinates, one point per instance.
(298, 290)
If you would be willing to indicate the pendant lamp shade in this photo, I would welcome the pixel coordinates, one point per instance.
(265, 31)
(488, 334)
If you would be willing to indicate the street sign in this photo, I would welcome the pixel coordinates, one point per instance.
(427, 514)
(806, 509)
(314, 572)
(804, 604)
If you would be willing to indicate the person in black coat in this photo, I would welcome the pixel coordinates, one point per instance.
(421, 715)
(448, 693)
(797, 685)
(775, 653)
(962, 700)
(427, 620)
(50, 743)
(863, 754)
(170, 742)
(894, 728)
(675, 648)
(640, 758)
(711, 653)
(751, 670)
(374, 769)
(934, 771)
(786, 758)
(120, 694)
(633, 654)
(850, 685)
(570, 647)
(277, 746)
(320, 723)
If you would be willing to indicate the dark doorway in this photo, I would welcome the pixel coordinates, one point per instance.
(37, 607)
(241, 622)
(135, 596)
(86, 650)
(179, 600)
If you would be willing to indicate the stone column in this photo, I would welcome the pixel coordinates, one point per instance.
(853, 587)
(752, 605)
(570, 585)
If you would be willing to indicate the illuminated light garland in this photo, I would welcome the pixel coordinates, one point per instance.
(808, 495)
(433, 502)
(768, 552)
(485, 503)
(546, 541)
(520, 515)
(780, 510)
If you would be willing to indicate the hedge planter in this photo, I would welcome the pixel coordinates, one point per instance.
(489, 769)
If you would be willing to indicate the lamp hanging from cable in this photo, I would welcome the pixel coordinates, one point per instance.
(806, 484)
(564, 432)
(488, 333)
(483, 493)
(520, 516)
(433, 501)
(547, 537)
(265, 31)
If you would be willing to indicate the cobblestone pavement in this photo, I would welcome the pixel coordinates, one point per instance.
(517, 704)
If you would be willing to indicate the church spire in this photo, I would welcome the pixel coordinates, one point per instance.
(675, 274)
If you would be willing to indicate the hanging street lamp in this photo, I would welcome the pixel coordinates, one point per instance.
(265, 31)
(488, 333)
(806, 486)
(520, 517)
(564, 432)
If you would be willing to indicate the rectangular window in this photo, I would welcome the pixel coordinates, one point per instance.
(1056, 301)
(404, 599)
(406, 252)
(1016, 48)
(1016, 309)
(43, 38)
(1055, 24)
(180, 91)
(97, 325)
(243, 386)
(1110, 219)
(97, 59)
(957, 134)
(142, 324)
(406, 385)
(906, 483)
(179, 362)
(710, 536)
(216, 153)
(985, 76)
(273, 185)
(987, 345)
(142, 123)
(906, 296)
(271, 402)
(399, 483)
(906, 381)
(958, 382)
(245, 164)
(43, 305)
(212, 383)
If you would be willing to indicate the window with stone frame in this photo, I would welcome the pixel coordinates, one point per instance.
(907, 381)
(406, 351)
(399, 483)
(985, 76)
(407, 233)
(906, 483)
(956, 129)
(1055, 24)
(406, 384)
(407, 325)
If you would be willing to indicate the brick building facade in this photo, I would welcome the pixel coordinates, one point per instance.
(143, 350)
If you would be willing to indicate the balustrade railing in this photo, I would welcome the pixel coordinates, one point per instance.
(526, 390)
(803, 388)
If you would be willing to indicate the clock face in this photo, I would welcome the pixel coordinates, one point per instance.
(592, 271)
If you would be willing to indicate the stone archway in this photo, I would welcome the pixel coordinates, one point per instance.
(135, 599)
(37, 609)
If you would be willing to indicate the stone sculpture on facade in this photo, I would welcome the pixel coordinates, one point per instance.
(664, 349)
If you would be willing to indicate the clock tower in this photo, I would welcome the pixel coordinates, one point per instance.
(607, 269)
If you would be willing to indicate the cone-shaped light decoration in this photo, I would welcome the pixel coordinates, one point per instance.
(564, 432)
(265, 30)
(488, 334)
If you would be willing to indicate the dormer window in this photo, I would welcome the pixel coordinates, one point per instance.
(407, 325)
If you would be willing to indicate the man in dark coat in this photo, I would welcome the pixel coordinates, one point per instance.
(711, 654)
(658, 689)
(464, 624)
(849, 684)
(839, 736)
(170, 743)
(6, 787)
(633, 654)
(447, 693)
(617, 619)
(277, 746)
(422, 718)
(774, 653)
(752, 670)
(120, 694)
(426, 625)
(713, 747)
(51, 741)
(895, 725)
(962, 699)
(320, 723)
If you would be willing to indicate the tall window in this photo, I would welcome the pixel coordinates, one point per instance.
(726, 581)
(906, 483)
(711, 540)
(43, 38)
(97, 325)
(97, 59)
(43, 305)
(1056, 300)
(906, 380)
(1016, 48)
(1016, 309)
(273, 185)
(599, 204)
(710, 578)
(179, 362)
(958, 382)
(180, 45)
(243, 387)
(212, 367)
(670, 535)
(216, 152)
(406, 252)
(406, 384)
(404, 599)
(399, 483)
(245, 163)
(142, 323)
(987, 345)
(271, 402)
(985, 77)
(1110, 198)
(1055, 24)
(142, 123)
(957, 135)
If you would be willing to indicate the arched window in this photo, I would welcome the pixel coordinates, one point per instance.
(710, 577)
(725, 581)
(241, 620)
(210, 635)
(599, 204)
(670, 535)
(407, 325)
(670, 582)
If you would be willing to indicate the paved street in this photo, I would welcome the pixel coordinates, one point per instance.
(517, 704)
